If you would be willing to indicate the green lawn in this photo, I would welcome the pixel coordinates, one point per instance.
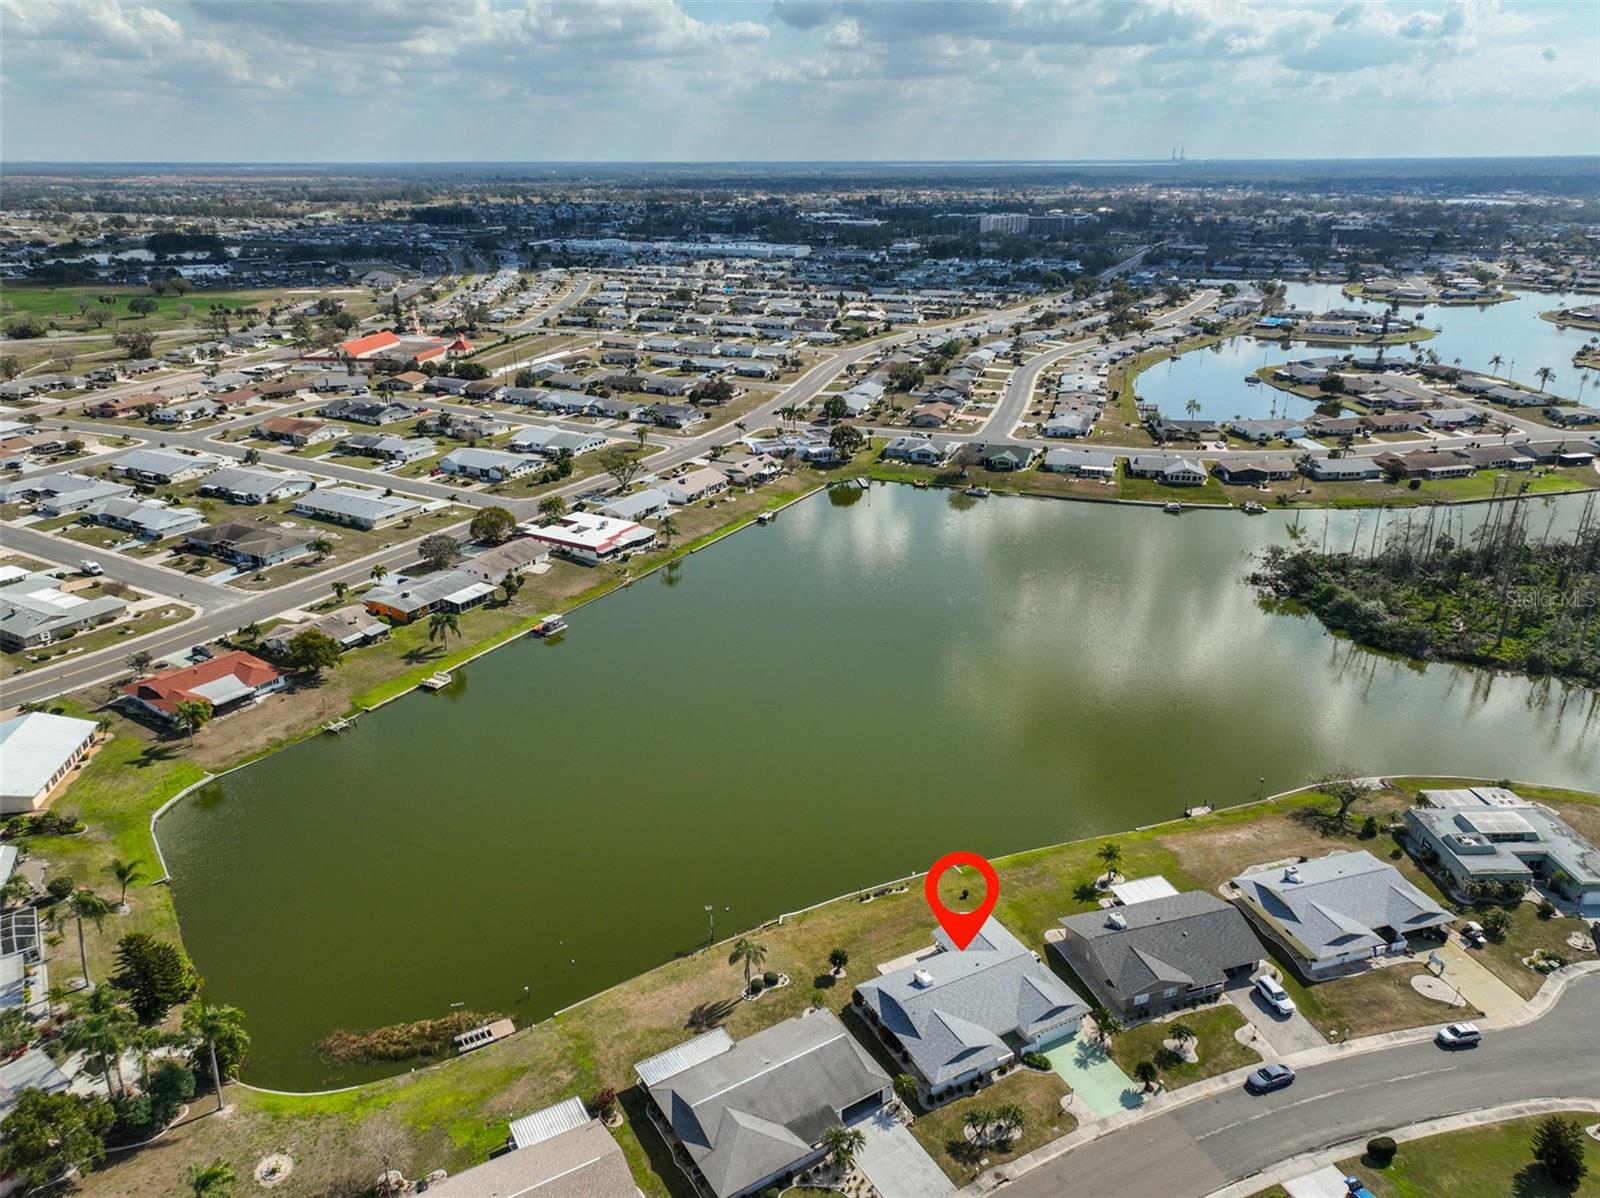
(1219, 1052)
(61, 304)
(1038, 1094)
(1480, 1162)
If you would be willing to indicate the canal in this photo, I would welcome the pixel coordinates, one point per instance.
(1465, 336)
(831, 701)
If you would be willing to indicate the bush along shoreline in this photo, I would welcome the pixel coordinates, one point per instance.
(1503, 596)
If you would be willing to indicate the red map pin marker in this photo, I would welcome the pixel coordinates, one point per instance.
(962, 926)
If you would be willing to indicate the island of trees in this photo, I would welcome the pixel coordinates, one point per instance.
(1505, 595)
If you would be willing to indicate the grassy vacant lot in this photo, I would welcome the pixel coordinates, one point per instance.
(62, 304)
(1480, 1162)
(941, 1132)
(1219, 1052)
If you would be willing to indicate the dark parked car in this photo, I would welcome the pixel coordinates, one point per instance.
(1269, 1078)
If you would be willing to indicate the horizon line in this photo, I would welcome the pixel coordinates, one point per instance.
(1137, 161)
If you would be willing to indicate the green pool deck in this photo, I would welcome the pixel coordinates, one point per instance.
(1095, 1078)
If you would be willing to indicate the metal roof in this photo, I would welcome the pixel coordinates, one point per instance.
(552, 1121)
(686, 1055)
(1143, 889)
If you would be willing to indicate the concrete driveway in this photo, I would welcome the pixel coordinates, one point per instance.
(895, 1163)
(1476, 983)
(1275, 1036)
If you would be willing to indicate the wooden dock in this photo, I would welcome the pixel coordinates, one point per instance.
(478, 1037)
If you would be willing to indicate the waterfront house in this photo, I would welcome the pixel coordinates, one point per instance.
(957, 1015)
(515, 557)
(1336, 910)
(640, 505)
(38, 750)
(919, 451)
(1147, 958)
(751, 1114)
(358, 507)
(1006, 457)
(592, 539)
(350, 627)
(227, 682)
(693, 485)
(402, 599)
(557, 1152)
(1482, 834)
(746, 471)
(1173, 472)
(1326, 469)
(255, 484)
(1422, 463)
(37, 608)
(1086, 463)
(250, 544)
(1261, 431)
(1253, 471)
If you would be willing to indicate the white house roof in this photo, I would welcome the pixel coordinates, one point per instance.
(33, 746)
(551, 1121)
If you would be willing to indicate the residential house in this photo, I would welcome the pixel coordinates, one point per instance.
(1481, 834)
(549, 442)
(1324, 469)
(752, 1114)
(388, 447)
(402, 599)
(186, 412)
(919, 451)
(483, 391)
(592, 539)
(676, 415)
(255, 484)
(516, 556)
(639, 505)
(1147, 958)
(1086, 463)
(746, 471)
(1253, 471)
(39, 749)
(250, 544)
(1073, 423)
(61, 494)
(693, 485)
(358, 507)
(227, 681)
(486, 465)
(1173, 472)
(1006, 457)
(350, 627)
(369, 411)
(146, 519)
(1422, 463)
(558, 1152)
(1262, 431)
(123, 406)
(957, 1015)
(1336, 910)
(36, 608)
(296, 430)
(163, 467)
(931, 415)
(406, 380)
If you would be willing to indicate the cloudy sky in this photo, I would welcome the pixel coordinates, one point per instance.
(690, 80)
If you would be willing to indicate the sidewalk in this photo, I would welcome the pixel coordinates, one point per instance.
(1299, 1166)
(1166, 1100)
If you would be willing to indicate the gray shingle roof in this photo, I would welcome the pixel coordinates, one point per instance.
(1189, 939)
(955, 1022)
(1339, 903)
(757, 1107)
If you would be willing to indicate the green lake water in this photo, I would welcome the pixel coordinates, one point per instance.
(805, 709)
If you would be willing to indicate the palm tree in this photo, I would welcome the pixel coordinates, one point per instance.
(321, 546)
(191, 715)
(127, 873)
(666, 528)
(211, 1181)
(340, 590)
(210, 1022)
(441, 624)
(979, 1121)
(842, 1144)
(378, 573)
(1497, 362)
(1111, 853)
(905, 1088)
(837, 960)
(86, 904)
(750, 954)
(1192, 407)
(1009, 1119)
(1182, 1033)
(104, 1034)
(1106, 1025)
(1146, 1073)
(1544, 374)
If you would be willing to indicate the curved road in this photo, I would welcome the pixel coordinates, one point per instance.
(1204, 1145)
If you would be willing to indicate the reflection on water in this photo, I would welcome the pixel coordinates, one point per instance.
(837, 699)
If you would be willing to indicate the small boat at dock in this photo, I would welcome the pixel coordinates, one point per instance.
(765, 517)
(1252, 508)
(436, 682)
(1252, 380)
(921, 484)
(549, 626)
(339, 725)
(977, 492)
(1172, 507)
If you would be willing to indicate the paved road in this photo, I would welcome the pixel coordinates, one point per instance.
(1204, 1145)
